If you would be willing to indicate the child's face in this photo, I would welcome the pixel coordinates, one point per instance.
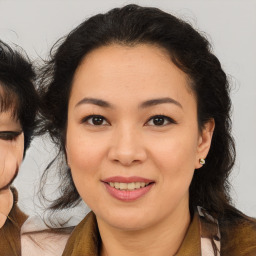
(11, 148)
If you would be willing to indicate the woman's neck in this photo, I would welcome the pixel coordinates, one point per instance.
(164, 238)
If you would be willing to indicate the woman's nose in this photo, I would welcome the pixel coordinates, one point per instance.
(127, 147)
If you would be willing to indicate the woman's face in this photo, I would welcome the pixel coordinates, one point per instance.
(132, 139)
(11, 147)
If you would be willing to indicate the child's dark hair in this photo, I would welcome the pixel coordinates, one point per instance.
(17, 90)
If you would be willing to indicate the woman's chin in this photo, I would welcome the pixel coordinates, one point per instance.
(126, 221)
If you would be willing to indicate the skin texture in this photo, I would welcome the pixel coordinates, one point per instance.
(128, 143)
(11, 153)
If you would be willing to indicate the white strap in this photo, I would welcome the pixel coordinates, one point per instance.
(206, 242)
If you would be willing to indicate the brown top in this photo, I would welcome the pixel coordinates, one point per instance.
(243, 235)
(85, 239)
(238, 238)
(10, 232)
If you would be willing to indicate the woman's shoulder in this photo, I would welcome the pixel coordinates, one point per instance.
(239, 236)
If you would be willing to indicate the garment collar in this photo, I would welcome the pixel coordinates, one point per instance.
(85, 239)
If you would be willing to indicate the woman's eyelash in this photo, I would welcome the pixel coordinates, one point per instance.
(161, 120)
(9, 135)
(157, 120)
(95, 120)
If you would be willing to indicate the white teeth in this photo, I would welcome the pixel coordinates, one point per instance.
(128, 186)
(117, 185)
(131, 186)
(137, 184)
(123, 186)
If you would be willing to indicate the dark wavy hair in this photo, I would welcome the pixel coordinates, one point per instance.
(18, 92)
(189, 50)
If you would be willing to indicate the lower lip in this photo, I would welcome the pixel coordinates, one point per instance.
(128, 195)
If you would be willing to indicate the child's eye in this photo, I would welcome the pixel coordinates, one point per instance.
(95, 120)
(9, 135)
(160, 120)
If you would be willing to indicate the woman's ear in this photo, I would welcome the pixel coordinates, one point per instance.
(204, 142)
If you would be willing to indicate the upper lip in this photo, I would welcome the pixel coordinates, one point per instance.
(121, 179)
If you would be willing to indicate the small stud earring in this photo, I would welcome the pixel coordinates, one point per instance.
(201, 161)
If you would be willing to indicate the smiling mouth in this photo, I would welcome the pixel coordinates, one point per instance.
(128, 186)
(128, 189)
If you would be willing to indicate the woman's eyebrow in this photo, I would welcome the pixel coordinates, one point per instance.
(158, 101)
(94, 101)
(145, 104)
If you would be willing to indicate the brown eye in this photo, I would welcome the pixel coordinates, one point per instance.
(160, 120)
(96, 120)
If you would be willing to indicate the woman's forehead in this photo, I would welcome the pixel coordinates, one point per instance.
(115, 72)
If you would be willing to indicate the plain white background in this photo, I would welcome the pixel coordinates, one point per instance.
(230, 25)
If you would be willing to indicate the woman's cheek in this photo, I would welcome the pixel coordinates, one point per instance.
(84, 160)
(83, 147)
